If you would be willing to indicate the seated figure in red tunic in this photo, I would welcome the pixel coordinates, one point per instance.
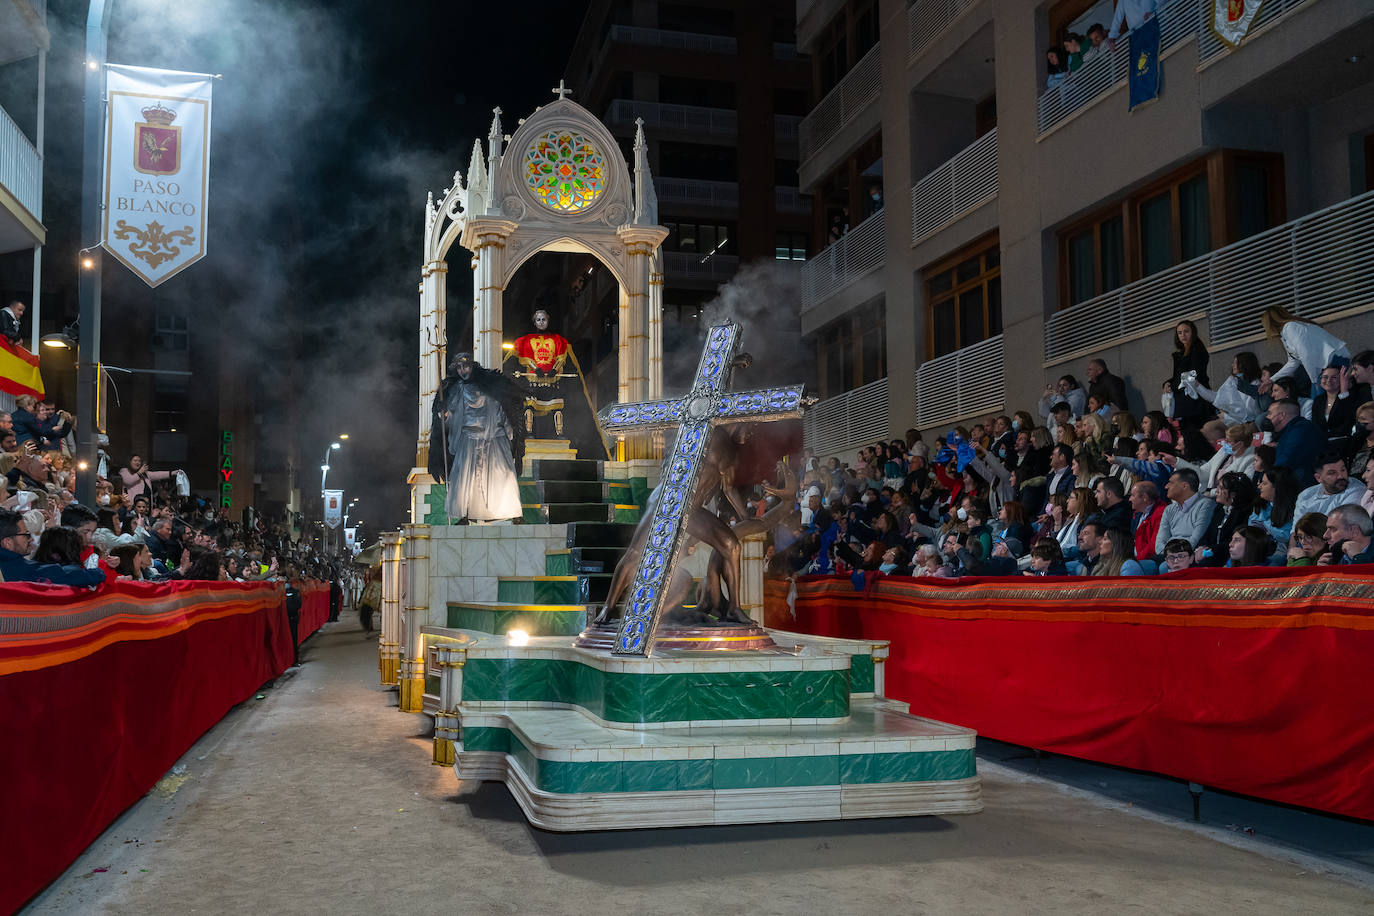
(559, 405)
(542, 357)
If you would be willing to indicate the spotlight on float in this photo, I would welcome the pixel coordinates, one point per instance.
(517, 637)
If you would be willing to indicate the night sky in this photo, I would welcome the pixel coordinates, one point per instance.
(330, 124)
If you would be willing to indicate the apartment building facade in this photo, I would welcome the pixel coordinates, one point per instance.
(1025, 228)
(721, 90)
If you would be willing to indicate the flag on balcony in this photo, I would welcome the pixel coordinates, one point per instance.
(1143, 70)
(1231, 19)
(157, 165)
(19, 371)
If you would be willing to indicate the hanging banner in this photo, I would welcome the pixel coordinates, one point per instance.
(333, 507)
(1231, 19)
(350, 538)
(157, 169)
(1143, 74)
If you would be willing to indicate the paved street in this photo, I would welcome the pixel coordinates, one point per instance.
(321, 798)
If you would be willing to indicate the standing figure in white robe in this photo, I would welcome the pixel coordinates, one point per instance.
(476, 434)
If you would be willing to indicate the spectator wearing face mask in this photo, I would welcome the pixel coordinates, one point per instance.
(1297, 441)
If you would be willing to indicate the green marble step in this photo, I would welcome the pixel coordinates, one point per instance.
(579, 589)
(608, 557)
(562, 513)
(600, 534)
(572, 561)
(527, 736)
(689, 696)
(565, 469)
(576, 491)
(502, 617)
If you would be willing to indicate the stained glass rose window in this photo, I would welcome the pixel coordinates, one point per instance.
(565, 171)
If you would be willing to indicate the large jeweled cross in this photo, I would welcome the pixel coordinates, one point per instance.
(707, 404)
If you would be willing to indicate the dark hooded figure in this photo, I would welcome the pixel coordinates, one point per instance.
(471, 428)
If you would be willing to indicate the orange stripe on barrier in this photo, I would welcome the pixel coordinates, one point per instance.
(117, 633)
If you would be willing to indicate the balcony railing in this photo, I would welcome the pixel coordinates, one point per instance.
(1178, 21)
(1271, 11)
(678, 41)
(659, 116)
(19, 172)
(961, 384)
(857, 253)
(926, 20)
(1315, 266)
(858, 89)
(791, 200)
(697, 192)
(959, 186)
(687, 265)
(848, 421)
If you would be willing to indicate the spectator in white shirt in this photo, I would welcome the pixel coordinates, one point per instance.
(1333, 488)
(1134, 13)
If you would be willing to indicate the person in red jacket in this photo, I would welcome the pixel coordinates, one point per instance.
(1147, 510)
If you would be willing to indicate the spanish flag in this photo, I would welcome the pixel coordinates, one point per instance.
(19, 371)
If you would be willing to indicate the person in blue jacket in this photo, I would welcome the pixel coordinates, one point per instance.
(15, 565)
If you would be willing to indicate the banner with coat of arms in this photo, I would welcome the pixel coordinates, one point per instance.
(157, 169)
(350, 538)
(333, 507)
(1231, 19)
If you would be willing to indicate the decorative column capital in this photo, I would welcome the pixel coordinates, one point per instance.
(641, 239)
(478, 231)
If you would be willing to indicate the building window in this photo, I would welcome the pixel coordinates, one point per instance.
(685, 90)
(170, 333)
(852, 351)
(680, 17)
(169, 405)
(700, 238)
(964, 298)
(1222, 198)
(791, 246)
(693, 160)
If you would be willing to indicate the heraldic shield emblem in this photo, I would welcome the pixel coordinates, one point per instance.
(157, 144)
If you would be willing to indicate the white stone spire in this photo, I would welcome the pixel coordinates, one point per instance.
(646, 200)
(494, 137)
(477, 181)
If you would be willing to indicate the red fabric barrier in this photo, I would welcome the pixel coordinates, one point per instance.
(314, 609)
(1252, 680)
(101, 692)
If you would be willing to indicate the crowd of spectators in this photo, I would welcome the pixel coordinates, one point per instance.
(1271, 467)
(145, 525)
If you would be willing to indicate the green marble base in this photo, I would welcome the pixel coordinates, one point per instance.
(585, 740)
(501, 618)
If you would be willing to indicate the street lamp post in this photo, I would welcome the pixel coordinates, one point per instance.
(324, 476)
(88, 286)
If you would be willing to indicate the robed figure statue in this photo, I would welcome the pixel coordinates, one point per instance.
(473, 445)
